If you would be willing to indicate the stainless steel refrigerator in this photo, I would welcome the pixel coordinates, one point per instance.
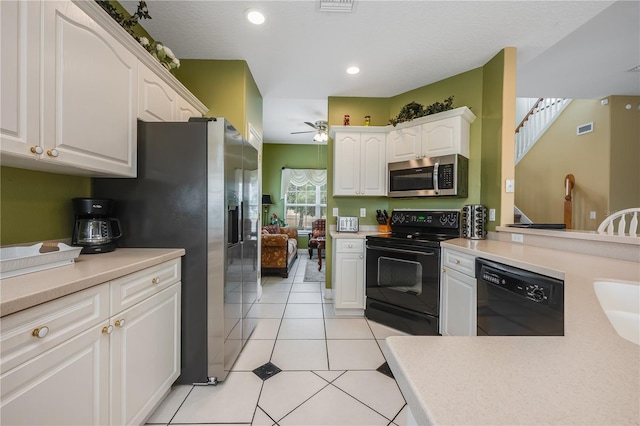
(197, 188)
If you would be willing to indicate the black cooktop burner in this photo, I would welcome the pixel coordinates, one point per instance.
(421, 227)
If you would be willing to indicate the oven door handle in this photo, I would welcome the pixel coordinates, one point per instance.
(397, 250)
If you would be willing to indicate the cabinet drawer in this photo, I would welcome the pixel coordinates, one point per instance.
(349, 245)
(134, 288)
(57, 321)
(460, 262)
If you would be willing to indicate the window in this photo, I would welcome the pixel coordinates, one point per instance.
(305, 197)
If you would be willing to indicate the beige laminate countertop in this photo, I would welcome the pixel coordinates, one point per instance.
(25, 291)
(588, 376)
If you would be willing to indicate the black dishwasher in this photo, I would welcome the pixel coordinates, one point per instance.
(516, 302)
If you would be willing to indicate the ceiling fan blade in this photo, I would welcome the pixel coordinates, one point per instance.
(310, 124)
(309, 131)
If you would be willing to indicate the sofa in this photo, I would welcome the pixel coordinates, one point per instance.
(279, 249)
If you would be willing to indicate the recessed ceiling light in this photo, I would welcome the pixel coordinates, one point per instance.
(255, 16)
(353, 70)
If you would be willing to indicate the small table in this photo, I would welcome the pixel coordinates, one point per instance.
(321, 242)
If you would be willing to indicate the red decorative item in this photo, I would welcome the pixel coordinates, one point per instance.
(346, 119)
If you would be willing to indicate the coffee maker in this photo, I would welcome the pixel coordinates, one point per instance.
(94, 230)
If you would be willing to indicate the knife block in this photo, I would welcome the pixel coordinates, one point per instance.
(385, 228)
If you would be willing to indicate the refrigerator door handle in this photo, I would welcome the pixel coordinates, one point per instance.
(241, 224)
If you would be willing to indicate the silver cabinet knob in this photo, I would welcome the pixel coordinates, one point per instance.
(53, 153)
(120, 323)
(108, 329)
(155, 280)
(40, 332)
(36, 150)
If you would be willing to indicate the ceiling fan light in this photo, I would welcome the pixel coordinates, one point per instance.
(353, 70)
(321, 136)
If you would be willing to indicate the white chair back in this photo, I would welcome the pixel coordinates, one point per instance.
(607, 225)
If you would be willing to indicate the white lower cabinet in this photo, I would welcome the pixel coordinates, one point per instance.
(54, 360)
(348, 276)
(145, 354)
(458, 312)
(78, 361)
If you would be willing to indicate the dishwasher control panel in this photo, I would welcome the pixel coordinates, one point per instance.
(535, 287)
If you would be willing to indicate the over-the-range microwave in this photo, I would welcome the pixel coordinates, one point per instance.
(446, 175)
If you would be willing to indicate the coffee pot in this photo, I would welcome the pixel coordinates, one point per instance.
(94, 229)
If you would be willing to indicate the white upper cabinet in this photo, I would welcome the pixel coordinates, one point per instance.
(156, 100)
(359, 165)
(20, 83)
(435, 135)
(90, 94)
(404, 144)
(74, 84)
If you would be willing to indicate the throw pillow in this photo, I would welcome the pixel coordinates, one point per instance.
(272, 229)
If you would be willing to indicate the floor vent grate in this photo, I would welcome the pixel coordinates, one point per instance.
(266, 371)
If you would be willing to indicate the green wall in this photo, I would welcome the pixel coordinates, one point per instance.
(357, 108)
(483, 91)
(466, 89)
(277, 156)
(36, 206)
(498, 98)
(227, 88)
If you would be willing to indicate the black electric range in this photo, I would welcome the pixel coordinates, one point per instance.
(403, 269)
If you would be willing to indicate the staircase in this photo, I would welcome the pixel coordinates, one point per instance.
(536, 122)
(539, 118)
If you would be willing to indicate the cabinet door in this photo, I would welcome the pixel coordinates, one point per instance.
(346, 164)
(145, 355)
(67, 385)
(90, 94)
(442, 137)
(404, 144)
(349, 281)
(184, 110)
(458, 304)
(20, 80)
(373, 166)
(156, 100)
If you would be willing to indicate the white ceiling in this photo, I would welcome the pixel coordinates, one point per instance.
(576, 49)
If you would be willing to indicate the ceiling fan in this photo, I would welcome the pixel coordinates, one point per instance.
(320, 127)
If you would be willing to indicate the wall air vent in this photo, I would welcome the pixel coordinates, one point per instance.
(584, 128)
(336, 5)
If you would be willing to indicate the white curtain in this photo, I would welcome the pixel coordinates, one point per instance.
(300, 177)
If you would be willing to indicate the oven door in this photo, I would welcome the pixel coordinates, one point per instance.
(402, 275)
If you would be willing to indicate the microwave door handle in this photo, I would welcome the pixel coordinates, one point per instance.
(435, 177)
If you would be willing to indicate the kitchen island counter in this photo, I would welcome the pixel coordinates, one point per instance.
(588, 376)
(25, 291)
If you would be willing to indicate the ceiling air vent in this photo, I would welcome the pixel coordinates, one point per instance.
(336, 5)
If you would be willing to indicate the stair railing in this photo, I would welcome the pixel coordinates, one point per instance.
(569, 183)
(536, 122)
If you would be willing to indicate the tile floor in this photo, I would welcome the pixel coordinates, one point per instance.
(328, 368)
